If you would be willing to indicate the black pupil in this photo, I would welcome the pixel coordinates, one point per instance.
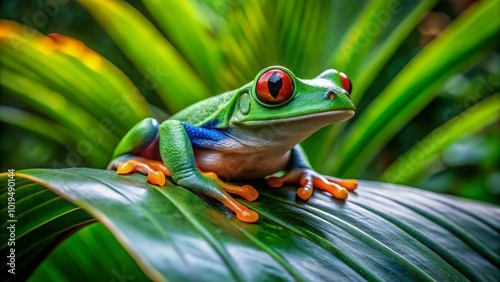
(274, 84)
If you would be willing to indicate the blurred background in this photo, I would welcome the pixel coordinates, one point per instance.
(425, 79)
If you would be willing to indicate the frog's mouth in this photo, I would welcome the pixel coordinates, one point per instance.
(308, 121)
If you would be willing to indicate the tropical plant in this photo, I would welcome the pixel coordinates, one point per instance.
(68, 96)
(383, 232)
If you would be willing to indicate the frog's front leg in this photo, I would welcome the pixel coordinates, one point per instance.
(177, 153)
(137, 152)
(300, 172)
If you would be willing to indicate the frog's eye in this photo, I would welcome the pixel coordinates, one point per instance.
(274, 87)
(346, 82)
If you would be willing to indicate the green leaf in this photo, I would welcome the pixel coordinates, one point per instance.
(188, 30)
(257, 34)
(67, 113)
(365, 51)
(101, 89)
(405, 96)
(407, 167)
(382, 232)
(91, 250)
(41, 220)
(164, 69)
(37, 124)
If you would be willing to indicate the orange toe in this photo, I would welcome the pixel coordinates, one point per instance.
(304, 193)
(249, 193)
(245, 191)
(125, 168)
(157, 177)
(247, 215)
(333, 188)
(274, 182)
(340, 194)
(242, 212)
(349, 184)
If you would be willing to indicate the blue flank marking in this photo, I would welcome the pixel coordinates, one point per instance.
(211, 124)
(202, 137)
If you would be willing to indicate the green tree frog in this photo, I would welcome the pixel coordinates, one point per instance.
(248, 133)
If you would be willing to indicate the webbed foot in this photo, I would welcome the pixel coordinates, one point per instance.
(309, 179)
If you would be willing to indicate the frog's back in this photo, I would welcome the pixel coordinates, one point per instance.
(204, 111)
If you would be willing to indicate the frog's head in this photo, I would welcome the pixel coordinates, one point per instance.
(277, 96)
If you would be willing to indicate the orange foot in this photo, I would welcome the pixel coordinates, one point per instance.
(156, 172)
(309, 179)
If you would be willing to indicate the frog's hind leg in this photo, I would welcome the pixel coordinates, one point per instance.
(140, 140)
(180, 160)
(138, 152)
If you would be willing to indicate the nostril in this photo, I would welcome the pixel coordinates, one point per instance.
(331, 95)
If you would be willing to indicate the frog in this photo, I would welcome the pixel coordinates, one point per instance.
(253, 132)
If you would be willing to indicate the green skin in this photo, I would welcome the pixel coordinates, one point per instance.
(238, 136)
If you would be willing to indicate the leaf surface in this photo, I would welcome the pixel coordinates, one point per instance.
(382, 232)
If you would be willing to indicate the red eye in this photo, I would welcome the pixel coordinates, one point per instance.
(274, 87)
(346, 82)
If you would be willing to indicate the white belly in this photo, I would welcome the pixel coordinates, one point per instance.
(231, 166)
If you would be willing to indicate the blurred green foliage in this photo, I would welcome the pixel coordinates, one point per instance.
(414, 64)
